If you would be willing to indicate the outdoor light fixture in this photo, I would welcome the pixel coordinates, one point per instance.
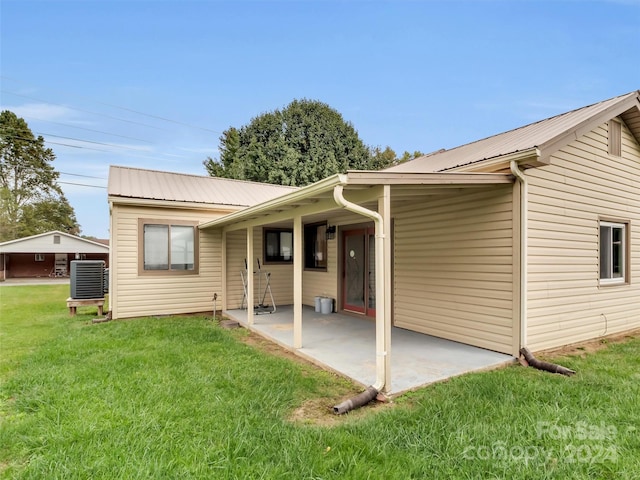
(331, 232)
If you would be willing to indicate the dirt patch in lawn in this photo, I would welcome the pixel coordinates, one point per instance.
(319, 411)
(590, 346)
(272, 348)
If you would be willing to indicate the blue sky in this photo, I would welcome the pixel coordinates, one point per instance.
(152, 84)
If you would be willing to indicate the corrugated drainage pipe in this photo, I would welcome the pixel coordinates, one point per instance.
(357, 401)
(546, 366)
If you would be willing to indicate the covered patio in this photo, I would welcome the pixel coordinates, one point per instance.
(345, 344)
(358, 206)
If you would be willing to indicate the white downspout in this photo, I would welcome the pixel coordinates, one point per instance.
(522, 180)
(380, 278)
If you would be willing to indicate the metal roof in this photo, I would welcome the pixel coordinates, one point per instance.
(547, 136)
(137, 183)
(319, 197)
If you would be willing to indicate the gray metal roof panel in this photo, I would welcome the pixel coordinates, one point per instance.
(529, 136)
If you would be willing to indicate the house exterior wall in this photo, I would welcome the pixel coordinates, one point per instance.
(132, 294)
(584, 183)
(453, 267)
(281, 274)
(327, 284)
(236, 243)
(319, 283)
(314, 283)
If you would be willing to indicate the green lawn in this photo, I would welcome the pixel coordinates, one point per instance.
(180, 397)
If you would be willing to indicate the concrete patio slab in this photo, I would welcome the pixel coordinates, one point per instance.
(346, 344)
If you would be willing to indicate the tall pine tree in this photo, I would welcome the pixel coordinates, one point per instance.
(31, 201)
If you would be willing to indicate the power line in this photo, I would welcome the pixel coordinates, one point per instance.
(126, 109)
(82, 185)
(89, 129)
(112, 145)
(88, 141)
(78, 175)
(84, 111)
(74, 139)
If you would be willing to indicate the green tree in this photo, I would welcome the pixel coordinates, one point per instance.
(229, 147)
(46, 215)
(382, 158)
(298, 145)
(31, 201)
(406, 156)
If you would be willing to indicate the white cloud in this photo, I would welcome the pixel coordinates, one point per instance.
(42, 111)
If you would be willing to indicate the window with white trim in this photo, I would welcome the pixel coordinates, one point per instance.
(169, 247)
(613, 253)
(39, 257)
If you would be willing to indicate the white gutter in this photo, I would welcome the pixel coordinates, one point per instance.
(524, 227)
(380, 276)
(285, 200)
(520, 156)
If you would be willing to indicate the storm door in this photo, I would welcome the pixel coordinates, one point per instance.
(359, 274)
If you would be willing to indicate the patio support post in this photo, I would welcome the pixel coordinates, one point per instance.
(297, 281)
(250, 312)
(384, 208)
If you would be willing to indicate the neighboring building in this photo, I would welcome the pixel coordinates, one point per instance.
(527, 238)
(48, 254)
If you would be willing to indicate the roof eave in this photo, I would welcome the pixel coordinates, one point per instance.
(296, 196)
(15, 241)
(177, 204)
(354, 178)
(529, 158)
(561, 140)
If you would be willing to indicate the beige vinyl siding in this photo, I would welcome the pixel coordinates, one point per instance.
(134, 295)
(566, 201)
(453, 267)
(236, 243)
(281, 275)
(315, 283)
(327, 283)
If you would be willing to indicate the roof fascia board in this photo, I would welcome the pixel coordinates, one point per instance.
(51, 233)
(280, 202)
(425, 178)
(322, 205)
(31, 237)
(279, 216)
(142, 202)
(530, 156)
(262, 214)
(552, 146)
